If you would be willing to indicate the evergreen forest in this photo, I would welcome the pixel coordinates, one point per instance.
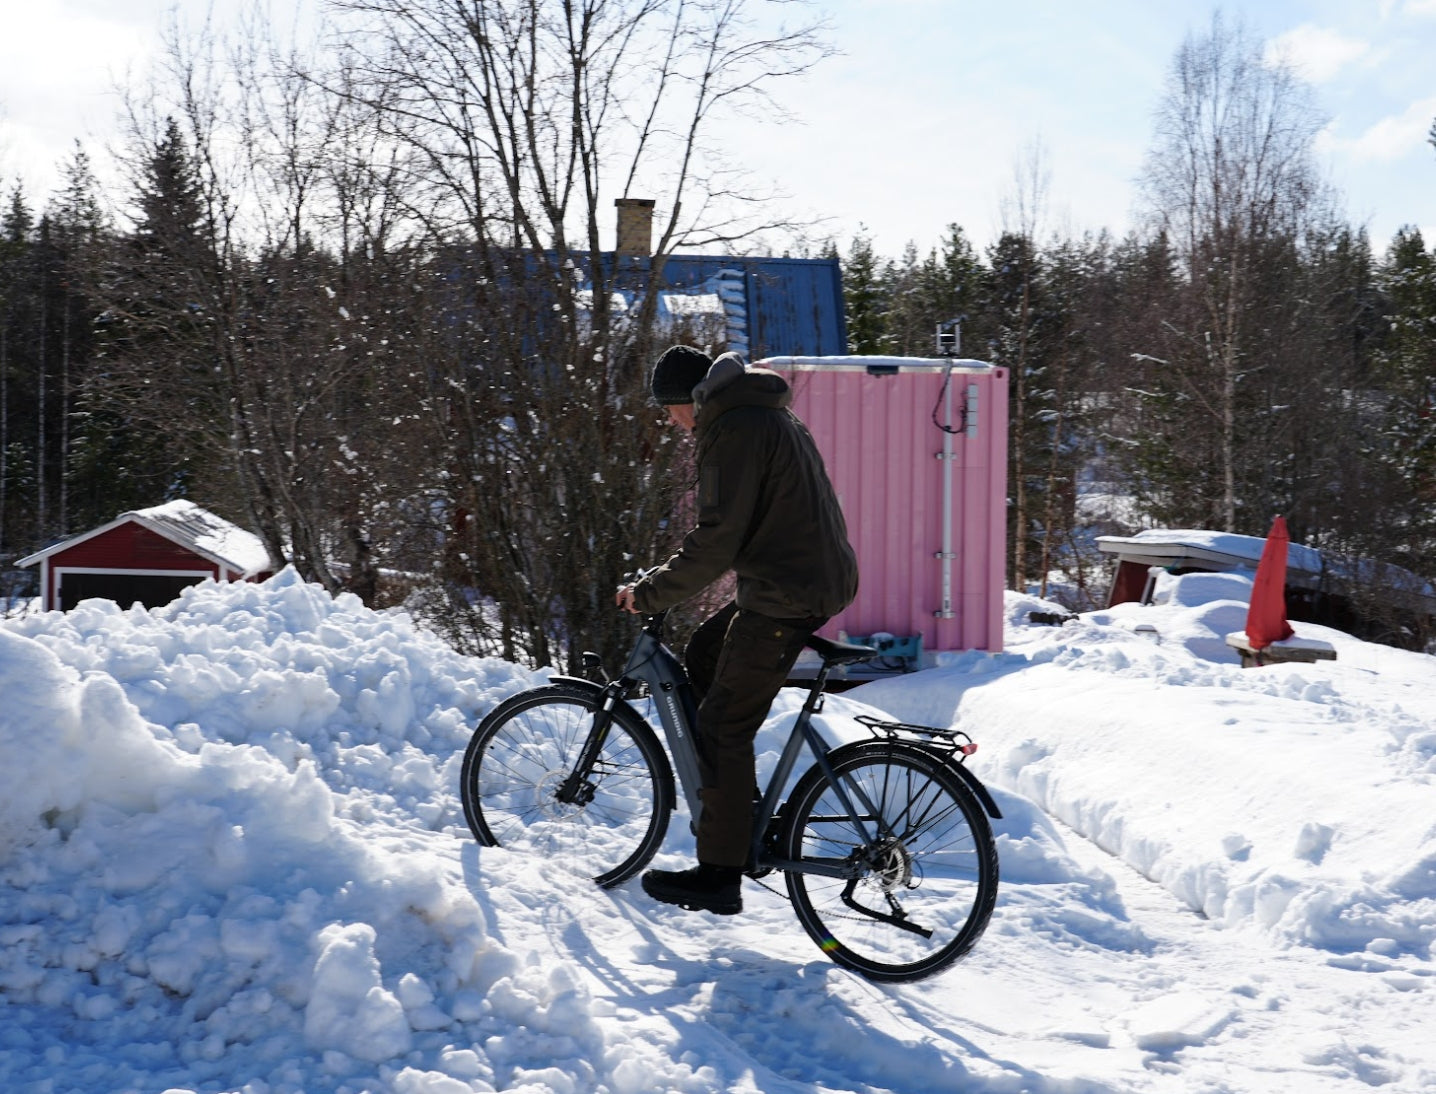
(356, 298)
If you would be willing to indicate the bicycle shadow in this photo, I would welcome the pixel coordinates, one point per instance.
(799, 1023)
(822, 1027)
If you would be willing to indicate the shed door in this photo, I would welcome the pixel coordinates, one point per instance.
(151, 590)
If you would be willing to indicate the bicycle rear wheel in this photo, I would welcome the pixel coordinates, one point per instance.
(926, 880)
(522, 753)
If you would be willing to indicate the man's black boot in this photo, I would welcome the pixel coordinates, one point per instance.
(701, 888)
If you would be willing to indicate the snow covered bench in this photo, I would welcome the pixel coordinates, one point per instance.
(1295, 648)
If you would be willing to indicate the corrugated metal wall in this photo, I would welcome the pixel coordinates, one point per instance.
(886, 458)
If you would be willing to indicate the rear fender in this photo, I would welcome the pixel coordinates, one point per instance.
(975, 785)
(950, 761)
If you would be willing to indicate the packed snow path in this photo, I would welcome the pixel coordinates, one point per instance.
(232, 859)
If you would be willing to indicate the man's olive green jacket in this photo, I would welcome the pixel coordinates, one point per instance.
(766, 509)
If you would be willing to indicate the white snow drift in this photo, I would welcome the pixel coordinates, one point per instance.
(232, 858)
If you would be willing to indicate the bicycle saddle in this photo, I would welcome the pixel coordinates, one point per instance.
(839, 653)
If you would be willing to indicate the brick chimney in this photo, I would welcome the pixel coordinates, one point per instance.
(635, 227)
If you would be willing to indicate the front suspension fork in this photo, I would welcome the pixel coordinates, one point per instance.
(576, 789)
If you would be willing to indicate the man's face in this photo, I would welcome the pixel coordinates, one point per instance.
(681, 414)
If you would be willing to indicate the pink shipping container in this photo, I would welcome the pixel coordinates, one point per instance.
(917, 450)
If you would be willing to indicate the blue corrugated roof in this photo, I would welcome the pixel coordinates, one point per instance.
(773, 307)
(794, 306)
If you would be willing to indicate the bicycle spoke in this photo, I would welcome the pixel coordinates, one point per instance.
(604, 826)
(925, 889)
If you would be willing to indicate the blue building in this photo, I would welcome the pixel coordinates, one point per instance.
(761, 307)
(771, 306)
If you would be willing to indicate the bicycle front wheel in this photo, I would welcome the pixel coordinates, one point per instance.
(922, 882)
(521, 756)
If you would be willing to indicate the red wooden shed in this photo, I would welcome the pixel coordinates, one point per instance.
(147, 556)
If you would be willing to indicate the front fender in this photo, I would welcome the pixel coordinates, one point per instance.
(579, 680)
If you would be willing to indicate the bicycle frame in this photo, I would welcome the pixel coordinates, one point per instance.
(922, 860)
(654, 664)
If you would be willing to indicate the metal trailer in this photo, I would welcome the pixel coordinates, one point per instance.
(916, 448)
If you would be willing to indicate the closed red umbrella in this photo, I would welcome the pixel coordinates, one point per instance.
(1266, 617)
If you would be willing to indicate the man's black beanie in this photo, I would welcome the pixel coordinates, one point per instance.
(677, 373)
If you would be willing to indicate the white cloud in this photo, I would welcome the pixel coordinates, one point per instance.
(1419, 7)
(1318, 53)
(1392, 137)
(51, 98)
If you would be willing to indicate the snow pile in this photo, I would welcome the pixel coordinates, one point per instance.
(1294, 798)
(208, 818)
(232, 859)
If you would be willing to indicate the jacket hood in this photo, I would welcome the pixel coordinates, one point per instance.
(730, 383)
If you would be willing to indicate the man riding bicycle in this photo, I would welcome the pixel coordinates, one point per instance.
(766, 511)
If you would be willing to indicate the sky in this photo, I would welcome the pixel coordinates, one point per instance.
(923, 117)
(233, 860)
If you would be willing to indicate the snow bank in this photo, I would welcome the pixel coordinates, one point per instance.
(232, 859)
(1293, 799)
(209, 819)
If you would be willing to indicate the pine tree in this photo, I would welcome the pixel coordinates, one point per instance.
(76, 210)
(16, 227)
(1076, 310)
(863, 298)
(172, 218)
(150, 414)
(953, 285)
(907, 328)
(947, 285)
(1406, 369)
(78, 225)
(1017, 340)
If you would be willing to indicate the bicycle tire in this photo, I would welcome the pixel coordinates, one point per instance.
(524, 749)
(933, 862)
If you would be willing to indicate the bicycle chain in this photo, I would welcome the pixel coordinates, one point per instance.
(765, 885)
(826, 915)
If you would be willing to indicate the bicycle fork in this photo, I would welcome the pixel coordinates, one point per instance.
(577, 788)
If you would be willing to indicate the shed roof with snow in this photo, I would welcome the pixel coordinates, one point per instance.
(147, 556)
(1181, 550)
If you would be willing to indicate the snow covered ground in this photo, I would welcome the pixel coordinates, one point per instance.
(232, 858)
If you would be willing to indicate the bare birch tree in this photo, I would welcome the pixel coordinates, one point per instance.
(1230, 181)
(237, 324)
(523, 120)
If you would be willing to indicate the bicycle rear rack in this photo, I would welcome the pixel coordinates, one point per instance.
(952, 743)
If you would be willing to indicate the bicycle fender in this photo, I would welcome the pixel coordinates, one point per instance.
(579, 680)
(597, 689)
(975, 785)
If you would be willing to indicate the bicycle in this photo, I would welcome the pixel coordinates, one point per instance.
(885, 843)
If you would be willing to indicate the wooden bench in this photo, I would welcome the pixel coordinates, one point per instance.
(1309, 650)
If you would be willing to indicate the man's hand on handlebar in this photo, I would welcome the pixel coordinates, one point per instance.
(624, 599)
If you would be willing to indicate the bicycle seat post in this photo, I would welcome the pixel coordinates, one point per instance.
(814, 702)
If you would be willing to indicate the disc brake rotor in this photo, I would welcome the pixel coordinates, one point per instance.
(891, 865)
(547, 790)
